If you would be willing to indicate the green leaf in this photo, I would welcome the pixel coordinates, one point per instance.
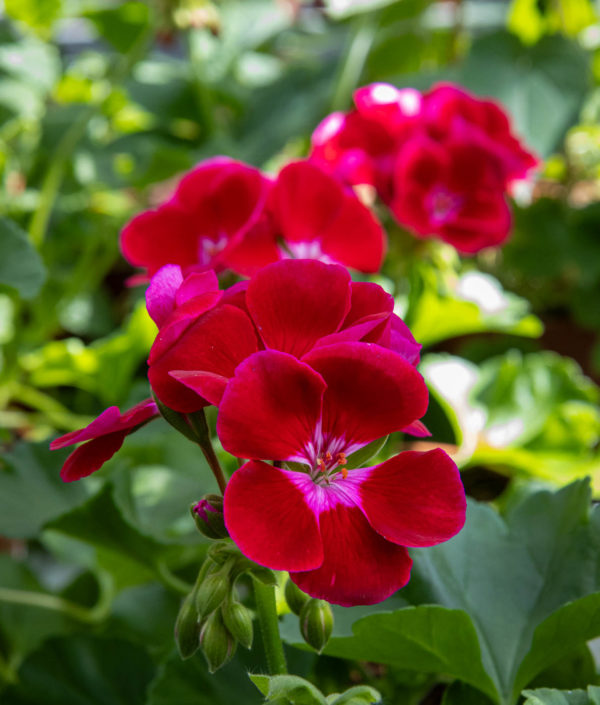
(121, 25)
(446, 307)
(509, 592)
(31, 491)
(83, 670)
(291, 690)
(425, 638)
(542, 87)
(189, 683)
(459, 693)
(21, 267)
(548, 696)
(39, 15)
(359, 695)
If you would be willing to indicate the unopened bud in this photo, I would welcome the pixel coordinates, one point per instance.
(208, 516)
(295, 598)
(217, 643)
(212, 592)
(239, 622)
(316, 623)
(187, 628)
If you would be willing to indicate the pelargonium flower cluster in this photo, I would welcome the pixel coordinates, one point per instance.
(306, 368)
(226, 215)
(441, 161)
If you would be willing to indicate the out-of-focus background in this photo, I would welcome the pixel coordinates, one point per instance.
(102, 105)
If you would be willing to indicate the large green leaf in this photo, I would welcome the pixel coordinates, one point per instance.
(83, 670)
(21, 267)
(31, 491)
(515, 594)
(542, 87)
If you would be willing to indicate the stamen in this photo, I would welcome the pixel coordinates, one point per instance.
(341, 459)
(344, 471)
(321, 465)
(328, 456)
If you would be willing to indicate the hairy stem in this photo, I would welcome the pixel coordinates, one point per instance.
(269, 627)
(199, 425)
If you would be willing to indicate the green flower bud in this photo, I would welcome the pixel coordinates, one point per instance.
(187, 628)
(213, 590)
(208, 516)
(238, 621)
(316, 623)
(217, 643)
(295, 598)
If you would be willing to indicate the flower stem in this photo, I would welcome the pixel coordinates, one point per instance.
(198, 423)
(269, 627)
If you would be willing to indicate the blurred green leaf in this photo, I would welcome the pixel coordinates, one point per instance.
(542, 87)
(121, 25)
(39, 15)
(530, 19)
(21, 267)
(547, 696)
(83, 670)
(31, 491)
(288, 690)
(189, 683)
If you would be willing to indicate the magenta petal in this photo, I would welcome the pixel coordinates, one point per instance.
(196, 284)
(415, 499)
(107, 422)
(160, 294)
(417, 429)
(271, 407)
(371, 391)
(359, 566)
(268, 518)
(296, 302)
(208, 385)
(90, 457)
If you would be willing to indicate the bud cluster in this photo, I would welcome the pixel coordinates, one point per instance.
(211, 617)
(316, 617)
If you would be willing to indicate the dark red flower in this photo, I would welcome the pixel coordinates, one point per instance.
(450, 112)
(210, 213)
(101, 439)
(452, 191)
(353, 524)
(291, 306)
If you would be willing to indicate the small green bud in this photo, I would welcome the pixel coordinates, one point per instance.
(295, 598)
(316, 623)
(212, 592)
(238, 621)
(217, 643)
(175, 419)
(208, 516)
(187, 628)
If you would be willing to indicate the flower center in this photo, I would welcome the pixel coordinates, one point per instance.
(210, 248)
(442, 204)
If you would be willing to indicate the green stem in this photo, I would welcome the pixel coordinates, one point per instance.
(170, 580)
(43, 600)
(198, 423)
(269, 627)
(353, 62)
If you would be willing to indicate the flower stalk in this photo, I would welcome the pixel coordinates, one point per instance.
(269, 627)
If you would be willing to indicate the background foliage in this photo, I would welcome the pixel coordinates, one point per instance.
(102, 104)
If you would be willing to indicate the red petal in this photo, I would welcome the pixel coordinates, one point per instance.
(355, 238)
(417, 429)
(371, 391)
(90, 457)
(415, 499)
(216, 342)
(270, 408)
(359, 566)
(296, 302)
(269, 520)
(160, 294)
(208, 385)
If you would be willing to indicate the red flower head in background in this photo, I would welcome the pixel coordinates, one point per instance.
(442, 162)
(227, 215)
(340, 532)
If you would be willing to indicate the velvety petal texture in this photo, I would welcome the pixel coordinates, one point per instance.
(101, 439)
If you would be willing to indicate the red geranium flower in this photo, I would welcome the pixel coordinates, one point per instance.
(210, 213)
(227, 215)
(452, 191)
(281, 308)
(353, 524)
(101, 439)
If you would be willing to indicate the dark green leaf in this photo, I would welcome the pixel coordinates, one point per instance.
(21, 267)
